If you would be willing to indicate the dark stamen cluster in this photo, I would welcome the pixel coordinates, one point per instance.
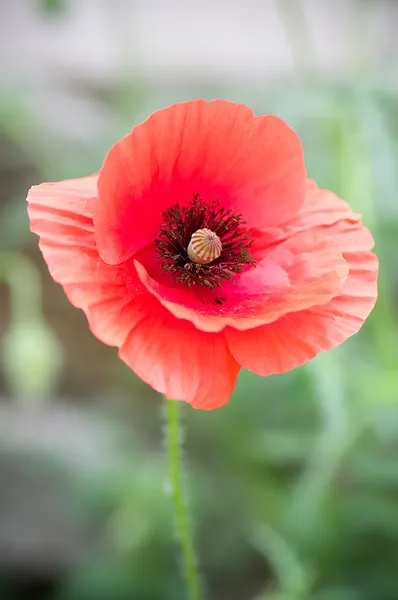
(175, 235)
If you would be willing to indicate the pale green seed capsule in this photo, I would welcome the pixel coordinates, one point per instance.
(204, 247)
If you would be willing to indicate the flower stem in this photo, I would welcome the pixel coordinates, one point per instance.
(183, 528)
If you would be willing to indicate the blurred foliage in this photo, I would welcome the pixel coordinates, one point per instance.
(31, 352)
(52, 6)
(293, 485)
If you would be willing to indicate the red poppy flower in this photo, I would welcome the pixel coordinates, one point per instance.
(201, 248)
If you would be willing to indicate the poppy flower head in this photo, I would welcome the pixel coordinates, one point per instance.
(201, 237)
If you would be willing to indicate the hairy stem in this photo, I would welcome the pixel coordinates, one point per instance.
(183, 527)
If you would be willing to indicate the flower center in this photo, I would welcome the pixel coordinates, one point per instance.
(204, 247)
(203, 243)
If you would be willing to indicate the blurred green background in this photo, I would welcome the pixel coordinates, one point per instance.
(294, 485)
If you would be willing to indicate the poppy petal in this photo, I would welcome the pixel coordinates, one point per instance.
(171, 355)
(179, 361)
(62, 215)
(218, 149)
(306, 270)
(297, 337)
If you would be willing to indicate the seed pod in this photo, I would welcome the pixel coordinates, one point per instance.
(204, 247)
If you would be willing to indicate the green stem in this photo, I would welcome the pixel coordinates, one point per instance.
(184, 532)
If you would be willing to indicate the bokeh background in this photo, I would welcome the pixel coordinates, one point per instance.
(294, 484)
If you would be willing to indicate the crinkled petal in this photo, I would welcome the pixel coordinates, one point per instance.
(180, 361)
(305, 270)
(297, 337)
(171, 355)
(217, 149)
(62, 215)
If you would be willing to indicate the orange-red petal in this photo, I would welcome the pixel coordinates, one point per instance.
(305, 270)
(180, 361)
(62, 215)
(171, 355)
(218, 149)
(297, 337)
